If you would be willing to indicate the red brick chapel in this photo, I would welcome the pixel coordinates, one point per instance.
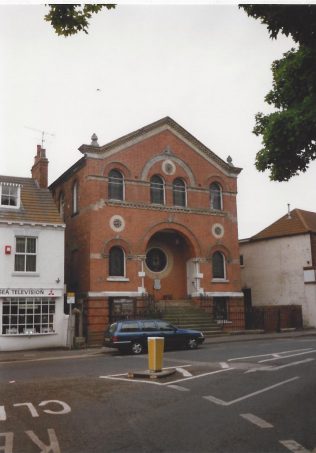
(151, 213)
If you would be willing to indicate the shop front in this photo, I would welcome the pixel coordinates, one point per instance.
(32, 318)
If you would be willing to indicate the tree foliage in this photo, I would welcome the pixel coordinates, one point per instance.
(289, 133)
(69, 19)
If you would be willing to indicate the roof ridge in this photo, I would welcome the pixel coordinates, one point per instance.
(167, 120)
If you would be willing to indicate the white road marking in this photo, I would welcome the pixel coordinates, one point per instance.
(116, 378)
(291, 364)
(224, 365)
(256, 420)
(184, 372)
(287, 356)
(199, 376)
(150, 381)
(179, 387)
(124, 374)
(294, 446)
(220, 402)
(265, 355)
(3, 415)
(276, 368)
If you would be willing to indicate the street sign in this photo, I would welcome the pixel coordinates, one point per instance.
(70, 298)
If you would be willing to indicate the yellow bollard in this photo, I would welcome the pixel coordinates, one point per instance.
(155, 353)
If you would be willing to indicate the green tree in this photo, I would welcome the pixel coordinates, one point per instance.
(289, 133)
(69, 19)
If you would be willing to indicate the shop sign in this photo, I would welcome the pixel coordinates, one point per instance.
(28, 292)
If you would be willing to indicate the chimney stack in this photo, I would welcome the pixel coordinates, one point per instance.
(40, 168)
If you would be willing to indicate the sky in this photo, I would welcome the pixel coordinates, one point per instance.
(206, 66)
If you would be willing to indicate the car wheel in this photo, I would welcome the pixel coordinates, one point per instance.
(137, 347)
(192, 343)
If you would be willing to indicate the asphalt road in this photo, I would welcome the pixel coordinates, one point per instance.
(238, 397)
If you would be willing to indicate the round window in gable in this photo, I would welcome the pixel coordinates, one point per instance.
(156, 260)
(117, 223)
(218, 230)
(168, 167)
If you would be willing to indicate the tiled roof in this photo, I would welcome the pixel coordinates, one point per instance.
(299, 222)
(37, 204)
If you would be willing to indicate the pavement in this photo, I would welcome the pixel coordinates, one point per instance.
(63, 353)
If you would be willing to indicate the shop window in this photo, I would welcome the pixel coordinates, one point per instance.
(116, 185)
(28, 316)
(25, 254)
(157, 190)
(116, 262)
(216, 197)
(9, 195)
(218, 266)
(179, 192)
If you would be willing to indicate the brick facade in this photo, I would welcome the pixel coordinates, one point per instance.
(187, 235)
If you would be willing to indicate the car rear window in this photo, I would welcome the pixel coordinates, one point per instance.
(112, 328)
(165, 326)
(131, 326)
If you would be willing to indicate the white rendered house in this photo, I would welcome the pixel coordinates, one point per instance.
(31, 263)
(278, 265)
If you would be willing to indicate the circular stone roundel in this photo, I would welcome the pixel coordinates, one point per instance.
(117, 223)
(168, 167)
(156, 260)
(218, 230)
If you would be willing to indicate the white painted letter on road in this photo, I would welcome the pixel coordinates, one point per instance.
(65, 407)
(53, 446)
(8, 445)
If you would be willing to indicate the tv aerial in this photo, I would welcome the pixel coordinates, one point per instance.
(42, 132)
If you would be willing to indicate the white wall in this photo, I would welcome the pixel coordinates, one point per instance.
(49, 275)
(273, 269)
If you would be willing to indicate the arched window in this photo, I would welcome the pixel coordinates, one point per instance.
(75, 198)
(179, 192)
(61, 204)
(157, 190)
(116, 262)
(116, 185)
(216, 196)
(218, 265)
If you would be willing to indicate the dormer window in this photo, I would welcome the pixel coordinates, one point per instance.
(10, 195)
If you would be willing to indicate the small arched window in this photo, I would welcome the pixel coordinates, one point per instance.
(61, 205)
(218, 265)
(75, 198)
(116, 262)
(157, 190)
(216, 196)
(179, 192)
(116, 185)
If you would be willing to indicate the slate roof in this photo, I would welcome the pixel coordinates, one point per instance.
(299, 222)
(37, 205)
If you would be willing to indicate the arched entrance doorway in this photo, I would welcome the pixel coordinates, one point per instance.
(168, 264)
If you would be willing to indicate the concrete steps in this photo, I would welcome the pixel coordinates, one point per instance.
(184, 314)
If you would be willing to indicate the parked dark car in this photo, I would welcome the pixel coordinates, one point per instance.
(132, 335)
